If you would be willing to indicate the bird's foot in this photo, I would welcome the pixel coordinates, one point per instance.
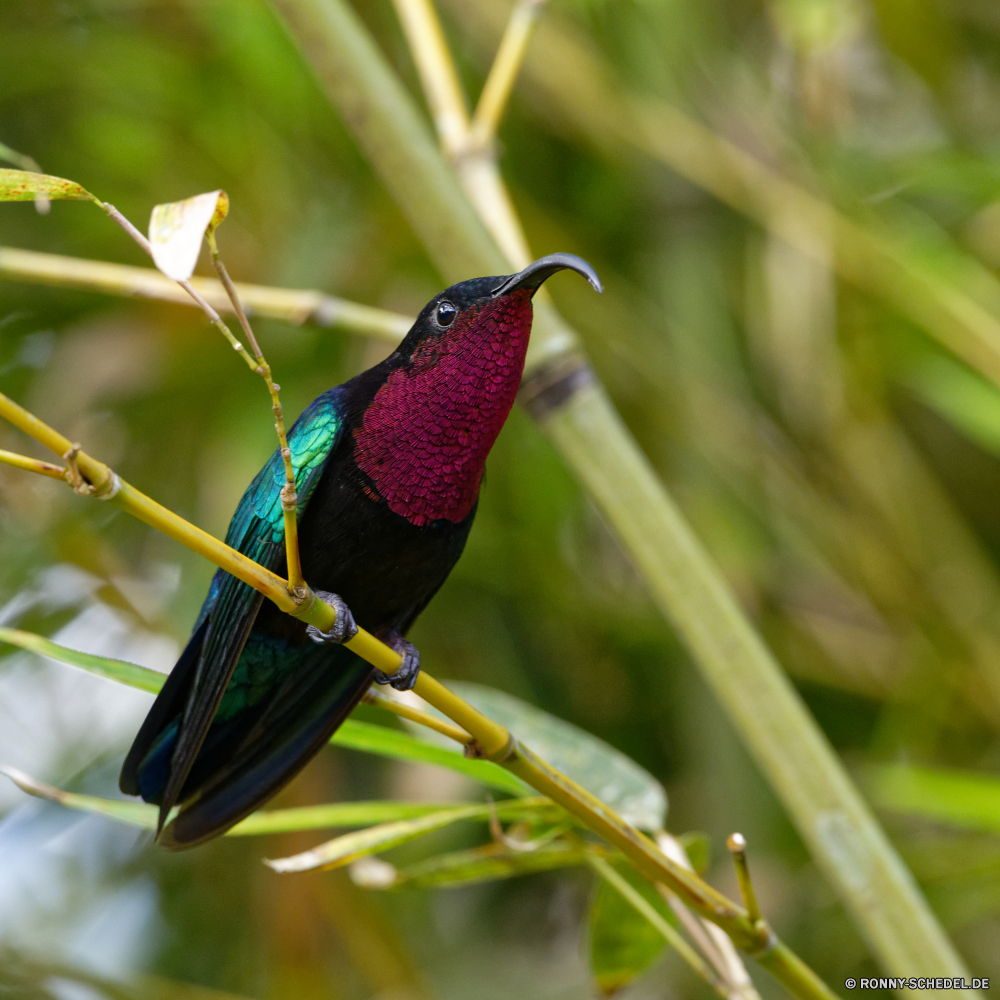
(406, 676)
(344, 628)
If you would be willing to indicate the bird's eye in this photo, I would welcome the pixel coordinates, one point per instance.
(446, 314)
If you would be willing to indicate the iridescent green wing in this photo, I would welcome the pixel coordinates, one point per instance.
(256, 530)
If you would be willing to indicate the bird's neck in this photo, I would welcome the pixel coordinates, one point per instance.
(425, 436)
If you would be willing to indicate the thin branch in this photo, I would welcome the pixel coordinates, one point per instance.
(404, 711)
(289, 494)
(738, 849)
(656, 919)
(715, 945)
(298, 588)
(32, 465)
(503, 73)
(292, 305)
(214, 318)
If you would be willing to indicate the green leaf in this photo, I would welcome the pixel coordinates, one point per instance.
(352, 734)
(622, 943)
(401, 746)
(116, 670)
(604, 771)
(959, 798)
(487, 863)
(359, 814)
(26, 185)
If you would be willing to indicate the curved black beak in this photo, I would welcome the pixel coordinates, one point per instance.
(534, 274)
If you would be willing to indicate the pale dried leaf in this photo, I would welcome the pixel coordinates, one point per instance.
(177, 228)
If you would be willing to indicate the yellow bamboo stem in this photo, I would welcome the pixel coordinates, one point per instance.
(294, 306)
(404, 711)
(503, 73)
(32, 465)
(437, 73)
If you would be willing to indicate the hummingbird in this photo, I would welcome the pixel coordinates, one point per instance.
(388, 468)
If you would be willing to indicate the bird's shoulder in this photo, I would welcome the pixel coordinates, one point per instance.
(311, 440)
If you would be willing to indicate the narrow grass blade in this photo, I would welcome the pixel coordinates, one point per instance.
(958, 798)
(362, 814)
(343, 850)
(400, 746)
(134, 813)
(116, 670)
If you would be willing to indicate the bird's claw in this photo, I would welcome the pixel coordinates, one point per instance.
(344, 628)
(406, 676)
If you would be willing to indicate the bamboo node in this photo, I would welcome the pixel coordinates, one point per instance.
(289, 497)
(110, 489)
(303, 600)
(506, 752)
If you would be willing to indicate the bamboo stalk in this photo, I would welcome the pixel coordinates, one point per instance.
(437, 73)
(404, 711)
(504, 72)
(791, 750)
(292, 305)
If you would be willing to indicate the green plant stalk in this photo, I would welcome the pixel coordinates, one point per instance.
(656, 919)
(855, 855)
(838, 826)
(289, 495)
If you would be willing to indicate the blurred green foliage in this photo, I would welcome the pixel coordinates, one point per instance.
(841, 467)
